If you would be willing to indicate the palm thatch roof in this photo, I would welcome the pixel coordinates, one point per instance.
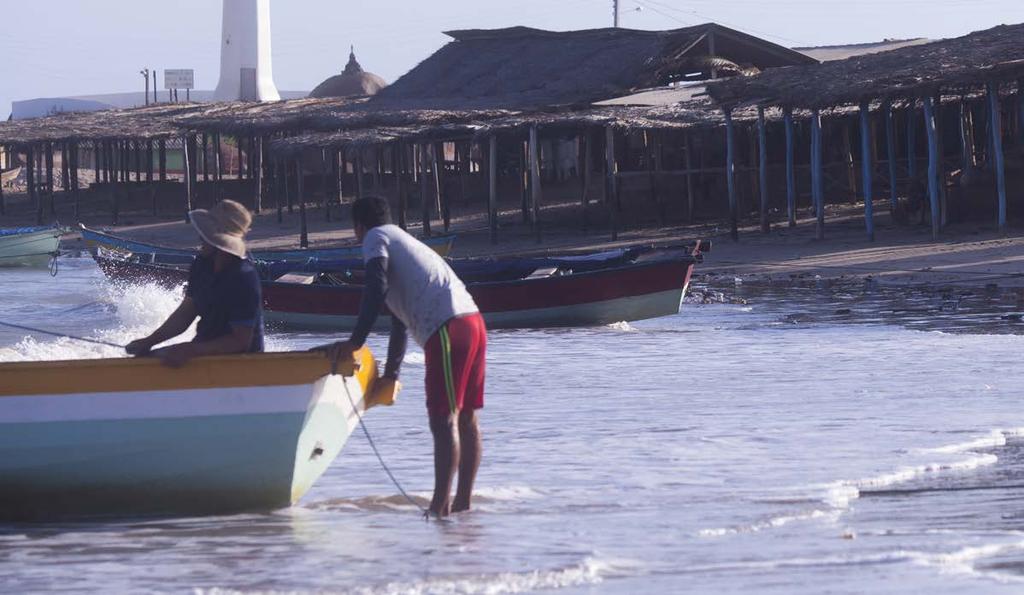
(963, 65)
(143, 123)
(521, 68)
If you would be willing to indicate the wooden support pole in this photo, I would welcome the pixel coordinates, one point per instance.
(966, 136)
(3, 204)
(1020, 108)
(933, 163)
(995, 109)
(911, 150)
(149, 161)
(189, 147)
(762, 147)
(96, 162)
(610, 185)
(398, 165)
(535, 187)
(238, 150)
(300, 190)
(424, 189)
(206, 157)
(30, 181)
(325, 182)
(587, 177)
(49, 178)
(360, 174)
(443, 202)
(787, 118)
(65, 168)
(492, 190)
(866, 140)
(73, 156)
(257, 191)
(280, 188)
(890, 154)
(137, 154)
(690, 198)
(730, 174)
(851, 171)
(162, 158)
(817, 175)
(524, 182)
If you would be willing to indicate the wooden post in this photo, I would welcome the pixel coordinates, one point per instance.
(866, 140)
(817, 175)
(535, 189)
(30, 181)
(73, 154)
(524, 182)
(96, 162)
(1020, 108)
(206, 157)
(730, 174)
(189, 146)
(136, 148)
(610, 185)
(238, 150)
(943, 202)
(911, 149)
(49, 177)
(787, 118)
(257, 175)
(300, 191)
(443, 202)
(280, 187)
(587, 175)
(933, 163)
(65, 168)
(149, 161)
(325, 178)
(424, 189)
(997, 150)
(762, 145)
(3, 205)
(851, 172)
(690, 198)
(360, 177)
(492, 194)
(162, 158)
(890, 153)
(398, 164)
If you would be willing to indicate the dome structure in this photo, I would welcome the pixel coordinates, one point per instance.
(352, 82)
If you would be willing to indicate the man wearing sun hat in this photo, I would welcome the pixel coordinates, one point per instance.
(223, 291)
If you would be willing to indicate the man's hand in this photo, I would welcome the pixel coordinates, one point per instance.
(342, 351)
(176, 356)
(139, 347)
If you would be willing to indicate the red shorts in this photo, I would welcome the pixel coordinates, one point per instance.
(456, 358)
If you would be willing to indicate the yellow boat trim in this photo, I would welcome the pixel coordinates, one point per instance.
(147, 374)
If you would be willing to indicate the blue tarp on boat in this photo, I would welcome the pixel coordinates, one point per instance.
(18, 231)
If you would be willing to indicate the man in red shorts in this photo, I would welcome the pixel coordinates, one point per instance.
(426, 299)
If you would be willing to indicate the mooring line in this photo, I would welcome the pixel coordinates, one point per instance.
(380, 459)
(60, 335)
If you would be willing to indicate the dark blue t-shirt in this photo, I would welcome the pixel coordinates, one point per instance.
(231, 298)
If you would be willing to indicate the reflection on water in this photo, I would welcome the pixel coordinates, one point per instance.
(814, 438)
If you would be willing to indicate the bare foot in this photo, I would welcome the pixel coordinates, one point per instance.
(460, 505)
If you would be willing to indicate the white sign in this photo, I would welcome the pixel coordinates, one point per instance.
(180, 78)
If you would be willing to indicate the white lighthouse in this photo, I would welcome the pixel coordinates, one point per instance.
(246, 71)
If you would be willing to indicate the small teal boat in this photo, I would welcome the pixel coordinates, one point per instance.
(129, 437)
(29, 246)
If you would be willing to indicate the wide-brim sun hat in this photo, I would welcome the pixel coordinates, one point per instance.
(224, 226)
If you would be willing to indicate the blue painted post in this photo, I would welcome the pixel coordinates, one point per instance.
(890, 149)
(865, 158)
(730, 174)
(997, 150)
(933, 163)
(790, 169)
(762, 147)
(816, 174)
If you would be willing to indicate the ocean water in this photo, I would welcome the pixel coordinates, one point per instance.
(813, 439)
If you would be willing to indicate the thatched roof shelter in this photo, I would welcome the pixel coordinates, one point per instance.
(352, 82)
(140, 124)
(528, 68)
(962, 64)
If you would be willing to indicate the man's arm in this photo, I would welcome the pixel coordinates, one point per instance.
(397, 343)
(374, 293)
(238, 341)
(176, 324)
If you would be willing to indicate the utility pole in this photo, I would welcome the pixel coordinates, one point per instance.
(615, 13)
(145, 74)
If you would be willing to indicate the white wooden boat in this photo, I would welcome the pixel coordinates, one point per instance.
(29, 246)
(129, 437)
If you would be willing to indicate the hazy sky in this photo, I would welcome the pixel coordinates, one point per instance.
(79, 47)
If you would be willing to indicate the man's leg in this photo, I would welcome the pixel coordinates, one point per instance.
(469, 462)
(446, 461)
